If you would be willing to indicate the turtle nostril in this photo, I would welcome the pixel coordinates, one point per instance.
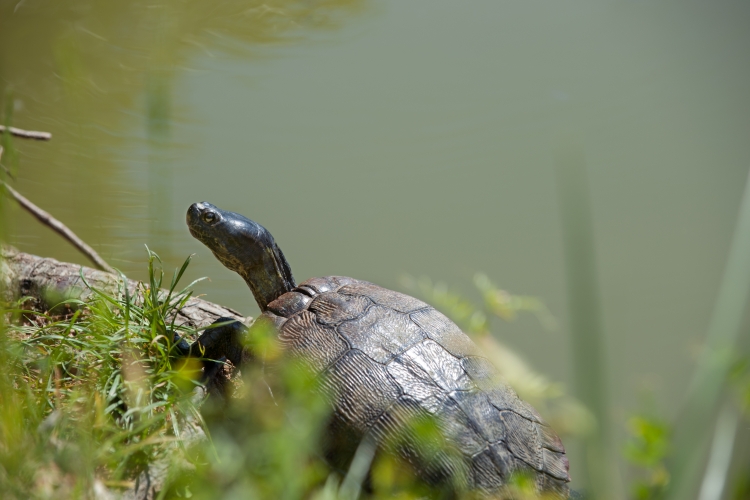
(194, 211)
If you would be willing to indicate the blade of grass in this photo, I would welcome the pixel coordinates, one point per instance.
(586, 331)
(720, 457)
(351, 486)
(175, 279)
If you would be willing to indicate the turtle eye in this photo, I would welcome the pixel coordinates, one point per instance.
(209, 217)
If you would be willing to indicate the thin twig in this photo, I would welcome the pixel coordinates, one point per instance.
(5, 169)
(27, 134)
(60, 228)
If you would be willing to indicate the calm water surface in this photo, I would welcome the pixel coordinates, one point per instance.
(381, 138)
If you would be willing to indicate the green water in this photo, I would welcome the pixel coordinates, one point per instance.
(381, 138)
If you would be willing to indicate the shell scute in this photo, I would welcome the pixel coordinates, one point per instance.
(384, 297)
(556, 464)
(270, 320)
(502, 396)
(434, 455)
(343, 280)
(319, 285)
(438, 365)
(485, 473)
(415, 383)
(443, 331)
(481, 371)
(361, 389)
(531, 412)
(459, 428)
(505, 462)
(289, 304)
(381, 333)
(550, 440)
(315, 344)
(553, 486)
(522, 439)
(392, 426)
(332, 308)
(485, 417)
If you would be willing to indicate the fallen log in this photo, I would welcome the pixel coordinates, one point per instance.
(47, 282)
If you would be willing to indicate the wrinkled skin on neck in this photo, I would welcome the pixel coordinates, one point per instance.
(244, 246)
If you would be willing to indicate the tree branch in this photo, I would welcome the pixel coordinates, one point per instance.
(43, 216)
(57, 226)
(26, 134)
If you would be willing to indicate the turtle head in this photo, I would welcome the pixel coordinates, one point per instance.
(244, 246)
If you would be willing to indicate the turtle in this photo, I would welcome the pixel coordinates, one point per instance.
(385, 357)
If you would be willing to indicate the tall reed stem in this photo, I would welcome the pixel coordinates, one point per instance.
(584, 316)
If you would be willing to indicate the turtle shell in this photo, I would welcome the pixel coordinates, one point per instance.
(386, 357)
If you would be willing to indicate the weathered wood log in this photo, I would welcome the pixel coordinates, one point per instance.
(48, 282)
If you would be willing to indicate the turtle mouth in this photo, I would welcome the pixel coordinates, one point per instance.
(195, 233)
(198, 229)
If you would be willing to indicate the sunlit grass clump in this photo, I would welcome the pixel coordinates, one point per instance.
(89, 393)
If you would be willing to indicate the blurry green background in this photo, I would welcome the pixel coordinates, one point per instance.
(381, 138)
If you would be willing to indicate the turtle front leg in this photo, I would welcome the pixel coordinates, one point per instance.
(214, 347)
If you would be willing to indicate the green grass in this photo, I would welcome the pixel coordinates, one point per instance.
(91, 391)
